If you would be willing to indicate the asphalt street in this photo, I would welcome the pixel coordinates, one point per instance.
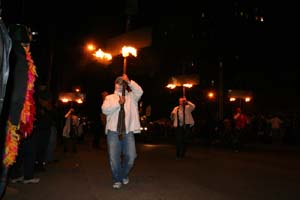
(259, 172)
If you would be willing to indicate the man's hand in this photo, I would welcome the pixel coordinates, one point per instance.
(125, 78)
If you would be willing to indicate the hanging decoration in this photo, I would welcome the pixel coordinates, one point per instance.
(27, 117)
(28, 111)
(12, 142)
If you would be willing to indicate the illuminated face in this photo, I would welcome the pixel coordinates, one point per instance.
(181, 101)
(118, 87)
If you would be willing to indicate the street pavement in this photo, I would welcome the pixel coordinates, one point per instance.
(259, 172)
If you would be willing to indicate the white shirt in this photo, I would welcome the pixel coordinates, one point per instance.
(188, 114)
(111, 108)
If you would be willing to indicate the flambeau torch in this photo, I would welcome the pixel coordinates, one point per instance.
(103, 56)
(126, 51)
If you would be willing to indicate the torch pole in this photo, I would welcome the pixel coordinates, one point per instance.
(121, 121)
(124, 65)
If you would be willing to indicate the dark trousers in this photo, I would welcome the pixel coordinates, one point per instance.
(237, 139)
(72, 141)
(24, 164)
(43, 138)
(182, 134)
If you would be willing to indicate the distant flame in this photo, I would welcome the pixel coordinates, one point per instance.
(188, 85)
(232, 99)
(247, 99)
(65, 100)
(128, 50)
(171, 86)
(79, 101)
(102, 55)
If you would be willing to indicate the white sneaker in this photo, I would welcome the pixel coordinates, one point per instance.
(17, 180)
(33, 180)
(125, 181)
(117, 185)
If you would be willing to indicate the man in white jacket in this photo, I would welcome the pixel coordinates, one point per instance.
(111, 108)
(183, 122)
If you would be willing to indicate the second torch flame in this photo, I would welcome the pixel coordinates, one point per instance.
(102, 55)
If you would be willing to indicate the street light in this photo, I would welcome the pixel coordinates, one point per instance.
(211, 95)
(90, 47)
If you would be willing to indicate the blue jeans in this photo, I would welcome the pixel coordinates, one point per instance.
(121, 153)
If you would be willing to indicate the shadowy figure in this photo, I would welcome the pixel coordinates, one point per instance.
(240, 122)
(70, 131)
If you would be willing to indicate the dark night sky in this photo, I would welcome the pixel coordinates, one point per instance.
(258, 56)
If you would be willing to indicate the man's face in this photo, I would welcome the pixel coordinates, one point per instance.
(181, 101)
(118, 87)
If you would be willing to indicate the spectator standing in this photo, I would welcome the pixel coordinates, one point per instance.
(275, 123)
(240, 122)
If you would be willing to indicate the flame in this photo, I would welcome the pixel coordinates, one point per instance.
(79, 101)
(128, 50)
(171, 86)
(102, 55)
(188, 85)
(65, 100)
(247, 99)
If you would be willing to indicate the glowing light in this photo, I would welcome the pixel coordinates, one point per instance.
(188, 85)
(247, 99)
(128, 50)
(261, 19)
(232, 99)
(211, 95)
(90, 47)
(171, 86)
(79, 101)
(65, 100)
(77, 97)
(102, 55)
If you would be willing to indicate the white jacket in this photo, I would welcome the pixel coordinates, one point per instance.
(67, 128)
(188, 114)
(111, 108)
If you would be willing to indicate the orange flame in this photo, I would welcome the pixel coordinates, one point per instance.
(171, 86)
(102, 55)
(188, 85)
(128, 50)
